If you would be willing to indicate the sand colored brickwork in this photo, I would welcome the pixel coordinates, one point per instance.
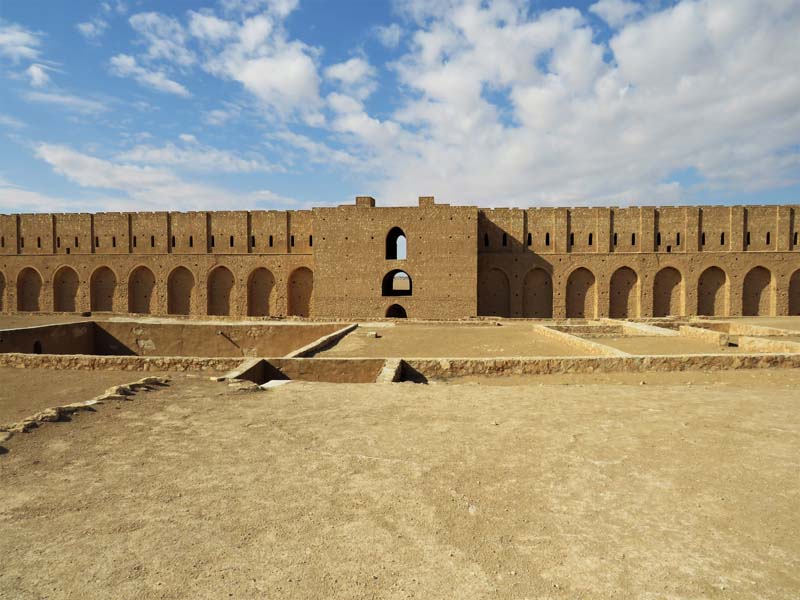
(461, 261)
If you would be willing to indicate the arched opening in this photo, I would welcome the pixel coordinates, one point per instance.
(396, 283)
(180, 289)
(102, 288)
(65, 289)
(624, 301)
(668, 293)
(494, 293)
(757, 293)
(29, 287)
(2, 290)
(220, 288)
(581, 294)
(259, 292)
(396, 244)
(301, 290)
(395, 311)
(537, 299)
(794, 293)
(712, 293)
(141, 284)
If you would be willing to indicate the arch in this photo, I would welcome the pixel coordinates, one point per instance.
(794, 293)
(65, 289)
(102, 289)
(2, 290)
(581, 294)
(668, 293)
(141, 284)
(29, 287)
(395, 311)
(757, 293)
(301, 290)
(537, 298)
(396, 244)
(494, 294)
(712, 293)
(180, 289)
(624, 291)
(397, 283)
(220, 289)
(259, 292)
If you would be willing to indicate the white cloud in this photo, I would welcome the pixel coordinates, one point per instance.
(9, 121)
(193, 156)
(616, 12)
(219, 116)
(92, 29)
(506, 107)
(141, 187)
(38, 75)
(355, 77)
(209, 27)
(18, 43)
(124, 65)
(389, 35)
(67, 101)
(164, 37)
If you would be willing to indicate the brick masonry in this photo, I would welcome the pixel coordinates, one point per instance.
(463, 261)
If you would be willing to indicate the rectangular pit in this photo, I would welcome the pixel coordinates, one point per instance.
(138, 338)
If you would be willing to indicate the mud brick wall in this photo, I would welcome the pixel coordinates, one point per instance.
(462, 261)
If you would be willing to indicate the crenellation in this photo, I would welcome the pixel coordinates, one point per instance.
(460, 261)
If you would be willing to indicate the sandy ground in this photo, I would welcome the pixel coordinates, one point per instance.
(665, 345)
(792, 323)
(24, 392)
(594, 491)
(467, 341)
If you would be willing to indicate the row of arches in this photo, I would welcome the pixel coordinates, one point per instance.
(669, 293)
(181, 291)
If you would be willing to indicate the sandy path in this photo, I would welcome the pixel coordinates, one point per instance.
(400, 491)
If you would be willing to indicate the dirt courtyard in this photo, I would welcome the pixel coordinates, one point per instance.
(685, 487)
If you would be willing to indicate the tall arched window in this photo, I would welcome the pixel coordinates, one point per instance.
(396, 244)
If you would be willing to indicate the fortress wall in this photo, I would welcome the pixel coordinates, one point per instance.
(350, 257)
(463, 261)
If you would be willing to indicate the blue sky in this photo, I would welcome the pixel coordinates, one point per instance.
(236, 104)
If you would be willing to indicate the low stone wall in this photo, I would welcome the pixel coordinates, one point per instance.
(83, 362)
(582, 344)
(754, 344)
(717, 338)
(63, 338)
(445, 369)
(320, 344)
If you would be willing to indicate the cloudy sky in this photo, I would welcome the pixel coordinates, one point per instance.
(234, 104)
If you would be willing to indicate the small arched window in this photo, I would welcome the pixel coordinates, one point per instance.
(396, 244)
(396, 283)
